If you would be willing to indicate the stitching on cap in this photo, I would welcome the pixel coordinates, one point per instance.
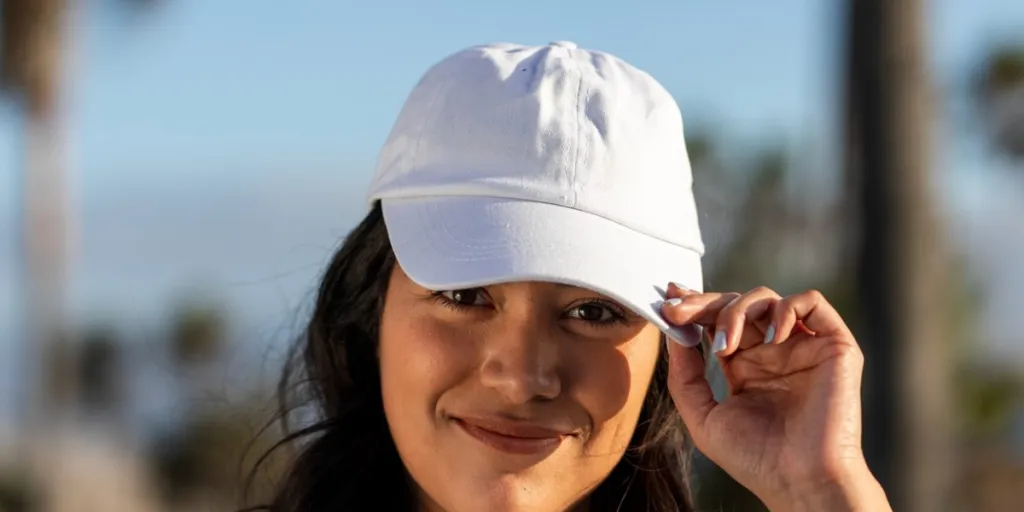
(579, 129)
(426, 117)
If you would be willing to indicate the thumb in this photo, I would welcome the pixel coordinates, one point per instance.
(690, 390)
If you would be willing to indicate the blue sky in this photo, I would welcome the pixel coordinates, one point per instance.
(200, 90)
(216, 81)
(228, 143)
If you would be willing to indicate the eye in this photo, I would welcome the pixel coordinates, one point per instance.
(597, 313)
(470, 297)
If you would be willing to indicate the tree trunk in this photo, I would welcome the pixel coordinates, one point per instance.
(45, 262)
(900, 258)
(33, 75)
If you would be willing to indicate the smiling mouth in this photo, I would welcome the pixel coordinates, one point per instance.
(510, 437)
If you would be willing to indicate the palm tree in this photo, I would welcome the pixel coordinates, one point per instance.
(900, 262)
(34, 43)
(31, 74)
(1000, 95)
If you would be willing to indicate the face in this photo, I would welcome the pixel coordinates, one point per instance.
(519, 396)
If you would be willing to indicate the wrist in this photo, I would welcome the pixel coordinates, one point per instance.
(855, 490)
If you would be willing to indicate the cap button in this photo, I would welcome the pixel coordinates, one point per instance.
(564, 44)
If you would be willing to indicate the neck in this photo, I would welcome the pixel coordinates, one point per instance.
(425, 503)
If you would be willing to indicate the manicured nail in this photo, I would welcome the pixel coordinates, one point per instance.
(674, 301)
(719, 344)
(769, 335)
(690, 335)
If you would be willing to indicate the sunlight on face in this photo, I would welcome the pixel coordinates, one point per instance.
(519, 396)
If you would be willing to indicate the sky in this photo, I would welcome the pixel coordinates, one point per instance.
(224, 147)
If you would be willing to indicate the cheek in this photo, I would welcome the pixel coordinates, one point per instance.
(419, 361)
(612, 386)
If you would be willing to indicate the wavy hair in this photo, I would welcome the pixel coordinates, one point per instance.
(344, 455)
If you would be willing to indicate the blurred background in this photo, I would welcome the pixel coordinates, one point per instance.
(177, 173)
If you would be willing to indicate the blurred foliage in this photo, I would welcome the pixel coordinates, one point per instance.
(100, 369)
(60, 365)
(987, 399)
(30, 50)
(32, 47)
(197, 333)
(201, 457)
(991, 481)
(745, 245)
(17, 493)
(1005, 70)
(213, 451)
(999, 93)
(194, 456)
(762, 221)
(207, 456)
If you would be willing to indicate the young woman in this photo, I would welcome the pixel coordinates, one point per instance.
(517, 322)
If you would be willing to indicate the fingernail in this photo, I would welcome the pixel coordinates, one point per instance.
(769, 335)
(681, 287)
(675, 301)
(719, 344)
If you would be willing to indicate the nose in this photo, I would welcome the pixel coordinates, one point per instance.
(521, 363)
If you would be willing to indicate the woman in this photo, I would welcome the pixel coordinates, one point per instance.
(516, 323)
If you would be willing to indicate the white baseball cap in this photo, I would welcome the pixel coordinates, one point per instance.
(542, 163)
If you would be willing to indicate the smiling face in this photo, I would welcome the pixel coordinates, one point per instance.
(519, 396)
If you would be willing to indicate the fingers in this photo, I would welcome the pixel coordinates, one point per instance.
(690, 390)
(773, 319)
(726, 315)
(696, 308)
(753, 307)
(741, 324)
(807, 312)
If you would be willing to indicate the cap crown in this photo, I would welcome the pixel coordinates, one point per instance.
(555, 124)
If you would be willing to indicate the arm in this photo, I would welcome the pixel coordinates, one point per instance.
(859, 492)
(790, 429)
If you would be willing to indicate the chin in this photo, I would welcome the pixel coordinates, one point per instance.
(504, 495)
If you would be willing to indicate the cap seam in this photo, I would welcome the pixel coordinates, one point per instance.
(574, 194)
(431, 108)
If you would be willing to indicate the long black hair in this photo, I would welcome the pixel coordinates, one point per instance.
(344, 457)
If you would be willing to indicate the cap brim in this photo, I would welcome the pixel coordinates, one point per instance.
(449, 243)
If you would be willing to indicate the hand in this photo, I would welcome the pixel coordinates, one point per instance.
(790, 430)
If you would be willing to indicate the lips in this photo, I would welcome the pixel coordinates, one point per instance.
(512, 437)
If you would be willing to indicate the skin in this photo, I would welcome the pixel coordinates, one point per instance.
(519, 351)
(791, 429)
(789, 432)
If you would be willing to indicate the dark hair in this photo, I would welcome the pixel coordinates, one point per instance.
(345, 459)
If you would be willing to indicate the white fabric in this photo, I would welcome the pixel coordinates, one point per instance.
(554, 163)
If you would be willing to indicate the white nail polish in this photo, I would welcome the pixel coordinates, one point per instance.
(675, 301)
(719, 344)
